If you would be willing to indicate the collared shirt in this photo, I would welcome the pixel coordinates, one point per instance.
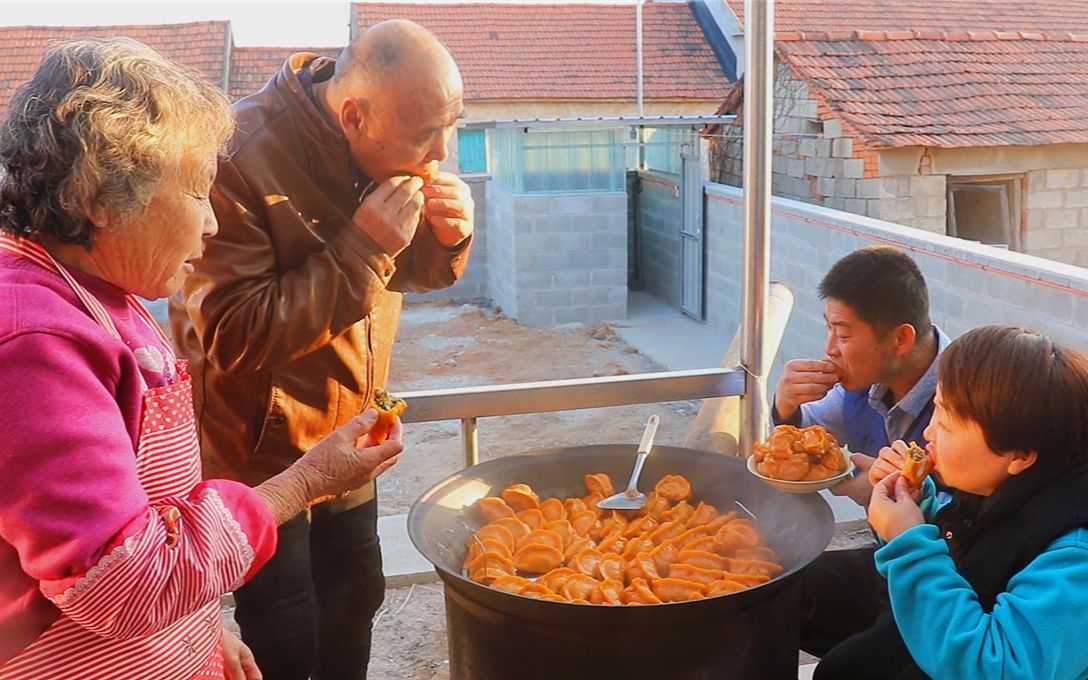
(898, 419)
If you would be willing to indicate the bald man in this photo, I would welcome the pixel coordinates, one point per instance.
(330, 205)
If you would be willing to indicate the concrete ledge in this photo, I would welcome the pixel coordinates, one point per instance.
(402, 564)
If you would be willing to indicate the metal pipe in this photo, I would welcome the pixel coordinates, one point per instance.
(638, 83)
(638, 54)
(470, 443)
(758, 123)
(568, 395)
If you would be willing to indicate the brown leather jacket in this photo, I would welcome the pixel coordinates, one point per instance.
(289, 320)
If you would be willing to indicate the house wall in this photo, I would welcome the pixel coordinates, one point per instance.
(658, 236)
(1054, 222)
(814, 161)
(969, 284)
(558, 258)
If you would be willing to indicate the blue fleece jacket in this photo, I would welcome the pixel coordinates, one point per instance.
(1038, 628)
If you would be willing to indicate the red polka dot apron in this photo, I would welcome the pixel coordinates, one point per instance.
(168, 465)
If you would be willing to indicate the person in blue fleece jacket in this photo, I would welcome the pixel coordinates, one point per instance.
(994, 583)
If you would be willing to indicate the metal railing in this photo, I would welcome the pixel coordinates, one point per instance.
(470, 403)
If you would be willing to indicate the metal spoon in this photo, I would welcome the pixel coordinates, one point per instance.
(632, 498)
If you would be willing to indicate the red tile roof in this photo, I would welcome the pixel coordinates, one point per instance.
(201, 46)
(1042, 16)
(251, 67)
(567, 51)
(964, 89)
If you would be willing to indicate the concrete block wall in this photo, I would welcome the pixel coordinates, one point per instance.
(558, 258)
(659, 236)
(813, 160)
(502, 261)
(473, 283)
(1056, 210)
(970, 284)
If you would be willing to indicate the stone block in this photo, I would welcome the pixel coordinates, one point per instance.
(823, 148)
(807, 147)
(795, 167)
(571, 204)
(843, 147)
(536, 316)
(1036, 219)
(571, 278)
(856, 206)
(1065, 218)
(585, 315)
(609, 240)
(833, 167)
(825, 186)
(1036, 180)
(853, 168)
(1062, 179)
(1076, 199)
(590, 297)
(832, 128)
(815, 166)
(846, 188)
(1046, 199)
(872, 208)
(927, 185)
(608, 277)
(868, 188)
(1042, 238)
(889, 187)
(1075, 238)
(552, 298)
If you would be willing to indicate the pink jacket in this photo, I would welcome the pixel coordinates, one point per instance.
(70, 399)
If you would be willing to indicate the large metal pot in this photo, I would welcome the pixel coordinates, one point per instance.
(498, 635)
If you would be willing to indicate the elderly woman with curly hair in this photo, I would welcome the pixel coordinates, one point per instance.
(113, 552)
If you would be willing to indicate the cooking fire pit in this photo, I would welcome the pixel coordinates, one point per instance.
(495, 635)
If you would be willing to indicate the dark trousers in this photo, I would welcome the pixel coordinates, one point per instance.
(847, 620)
(308, 612)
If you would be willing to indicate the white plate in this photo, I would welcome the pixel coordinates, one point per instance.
(804, 487)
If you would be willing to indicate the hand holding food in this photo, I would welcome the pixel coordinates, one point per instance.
(803, 380)
(449, 208)
(892, 509)
(389, 409)
(335, 465)
(917, 465)
(391, 213)
(799, 454)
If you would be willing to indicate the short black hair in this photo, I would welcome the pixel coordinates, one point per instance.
(883, 286)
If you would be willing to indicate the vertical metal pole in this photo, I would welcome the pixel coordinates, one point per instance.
(470, 444)
(758, 121)
(638, 55)
(638, 83)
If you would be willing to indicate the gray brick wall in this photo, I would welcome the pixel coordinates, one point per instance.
(659, 236)
(969, 284)
(502, 248)
(1056, 207)
(558, 258)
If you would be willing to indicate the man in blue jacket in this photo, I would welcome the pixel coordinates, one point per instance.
(877, 381)
(875, 386)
